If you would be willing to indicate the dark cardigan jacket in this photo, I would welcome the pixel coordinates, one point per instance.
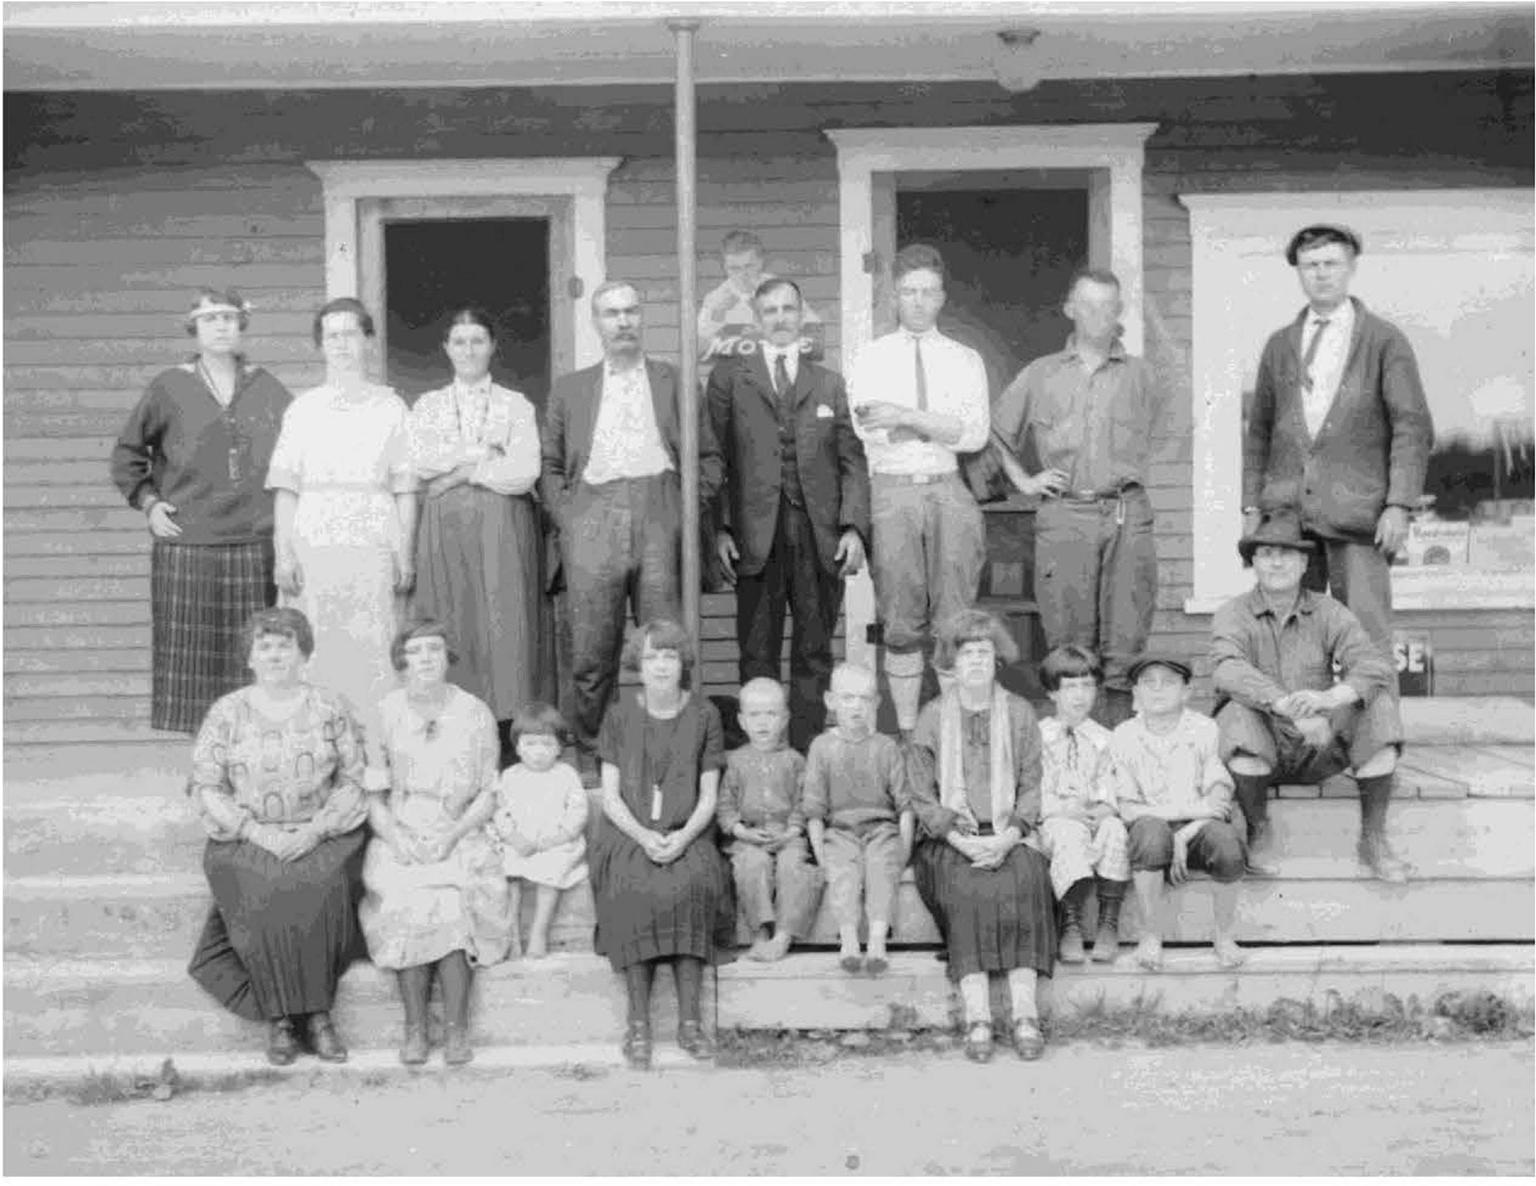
(1373, 447)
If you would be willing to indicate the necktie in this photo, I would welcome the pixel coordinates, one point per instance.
(922, 377)
(1072, 749)
(780, 377)
(1311, 355)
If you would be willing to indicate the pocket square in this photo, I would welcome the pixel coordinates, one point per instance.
(823, 412)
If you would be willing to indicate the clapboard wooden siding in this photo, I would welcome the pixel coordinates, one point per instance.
(117, 206)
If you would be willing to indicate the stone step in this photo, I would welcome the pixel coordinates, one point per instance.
(811, 991)
(110, 1007)
(136, 1012)
(1318, 899)
(139, 820)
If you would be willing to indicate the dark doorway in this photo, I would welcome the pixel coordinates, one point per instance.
(1010, 251)
(1010, 254)
(434, 267)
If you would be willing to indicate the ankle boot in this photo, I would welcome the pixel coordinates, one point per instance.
(1253, 797)
(1071, 947)
(1106, 944)
(454, 972)
(415, 985)
(1374, 851)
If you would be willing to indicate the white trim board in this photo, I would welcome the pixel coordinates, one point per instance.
(582, 179)
(1245, 234)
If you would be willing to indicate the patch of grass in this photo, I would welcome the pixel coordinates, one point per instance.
(1371, 1016)
(113, 1087)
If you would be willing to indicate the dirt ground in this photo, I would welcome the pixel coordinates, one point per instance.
(1274, 1109)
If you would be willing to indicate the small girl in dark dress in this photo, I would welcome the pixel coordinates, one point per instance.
(659, 884)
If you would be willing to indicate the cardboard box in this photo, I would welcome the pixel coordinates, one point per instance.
(1503, 547)
(1436, 542)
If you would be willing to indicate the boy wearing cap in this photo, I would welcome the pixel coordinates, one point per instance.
(1176, 797)
(1280, 712)
(1339, 429)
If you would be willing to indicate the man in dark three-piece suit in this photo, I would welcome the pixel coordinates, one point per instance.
(612, 482)
(794, 508)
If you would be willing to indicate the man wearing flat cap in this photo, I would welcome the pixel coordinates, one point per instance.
(1340, 430)
(1281, 712)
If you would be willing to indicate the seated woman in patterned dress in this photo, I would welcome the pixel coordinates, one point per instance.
(436, 897)
(975, 769)
(277, 774)
(660, 887)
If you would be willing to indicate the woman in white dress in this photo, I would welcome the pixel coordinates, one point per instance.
(346, 514)
(479, 551)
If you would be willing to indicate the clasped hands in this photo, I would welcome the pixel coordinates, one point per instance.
(463, 473)
(663, 847)
(899, 423)
(984, 852)
(1308, 711)
(286, 844)
(768, 839)
(413, 848)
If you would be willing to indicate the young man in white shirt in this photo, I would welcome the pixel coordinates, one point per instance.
(920, 398)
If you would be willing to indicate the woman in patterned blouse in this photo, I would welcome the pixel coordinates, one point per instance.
(277, 773)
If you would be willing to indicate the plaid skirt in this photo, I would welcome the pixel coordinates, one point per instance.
(992, 920)
(201, 596)
(647, 911)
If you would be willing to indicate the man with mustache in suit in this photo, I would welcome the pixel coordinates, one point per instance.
(612, 450)
(794, 511)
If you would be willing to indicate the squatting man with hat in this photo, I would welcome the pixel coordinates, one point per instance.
(1280, 711)
(1340, 430)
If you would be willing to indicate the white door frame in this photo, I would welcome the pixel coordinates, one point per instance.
(584, 180)
(1112, 153)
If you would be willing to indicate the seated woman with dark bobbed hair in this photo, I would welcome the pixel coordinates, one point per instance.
(277, 779)
(975, 770)
(660, 886)
(437, 899)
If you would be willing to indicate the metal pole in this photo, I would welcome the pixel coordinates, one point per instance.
(688, 350)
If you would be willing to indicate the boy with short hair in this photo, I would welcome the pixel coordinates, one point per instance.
(777, 887)
(1176, 796)
(859, 815)
(1081, 830)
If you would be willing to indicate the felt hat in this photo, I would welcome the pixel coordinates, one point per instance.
(1279, 528)
(1153, 660)
(1321, 232)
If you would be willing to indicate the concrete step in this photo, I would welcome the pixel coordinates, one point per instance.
(1468, 720)
(132, 1012)
(1318, 899)
(811, 991)
(138, 820)
(112, 1007)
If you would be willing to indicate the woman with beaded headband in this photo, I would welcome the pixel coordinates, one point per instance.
(193, 457)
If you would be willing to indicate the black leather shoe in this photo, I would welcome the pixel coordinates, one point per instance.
(323, 1040)
(694, 1041)
(282, 1046)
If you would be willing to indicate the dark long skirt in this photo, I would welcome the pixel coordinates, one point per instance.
(992, 920)
(647, 911)
(480, 569)
(280, 933)
(201, 596)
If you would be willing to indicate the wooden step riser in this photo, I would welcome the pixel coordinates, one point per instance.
(1330, 910)
(138, 831)
(550, 1002)
(154, 1010)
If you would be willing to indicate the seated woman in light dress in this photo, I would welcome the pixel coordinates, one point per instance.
(436, 898)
